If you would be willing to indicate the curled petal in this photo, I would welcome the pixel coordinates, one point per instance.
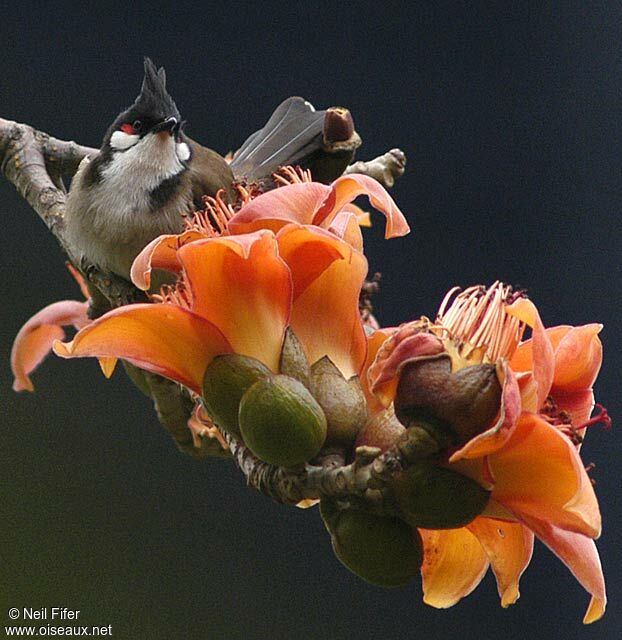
(542, 355)
(494, 438)
(276, 208)
(454, 563)
(242, 286)
(327, 277)
(345, 189)
(580, 555)
(160, 338)
(160, 253)
(34, 340)
(578, 357)
(509, 547)
(539, 474)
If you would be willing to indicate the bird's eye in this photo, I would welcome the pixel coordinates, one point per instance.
(137, 125)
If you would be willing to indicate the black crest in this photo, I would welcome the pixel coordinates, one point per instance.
(153, 99)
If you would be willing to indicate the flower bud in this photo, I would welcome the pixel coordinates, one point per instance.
(460, 404)
(226, 380)
(343, 401)
(382, 550)
(433, 497)
(281, 422)
(381, 430)
(293, 361)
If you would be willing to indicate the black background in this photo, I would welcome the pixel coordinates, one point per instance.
(511, 121)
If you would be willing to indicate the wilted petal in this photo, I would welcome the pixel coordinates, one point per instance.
(241, 285)
(374, 342)
(509, 547)
(345, 189)
(494, 438)
(454, 563)
(160, 338)
(34, 340)
(539, 474)
(406, 344)
(276, 208)
(580, 555)
(160, 253)
(542, 361)
(327, 277)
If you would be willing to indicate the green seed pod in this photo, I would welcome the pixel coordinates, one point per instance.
(226, 380)
(293, 361)
(432, 497)
(384, 551)
(281, 422)
(343, 401)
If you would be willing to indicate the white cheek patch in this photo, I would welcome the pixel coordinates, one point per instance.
(121, 140)
(183, 151)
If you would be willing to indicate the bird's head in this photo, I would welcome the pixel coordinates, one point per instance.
(153, 120)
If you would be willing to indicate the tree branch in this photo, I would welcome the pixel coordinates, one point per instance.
(365, 479)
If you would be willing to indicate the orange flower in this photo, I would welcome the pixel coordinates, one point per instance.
(305, 203)
(239, 293)
(537, 481)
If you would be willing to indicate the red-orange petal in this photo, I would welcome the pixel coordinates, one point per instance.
(345, 189)
(242, 286)
(543, 359)
(454, 563)
(160, 338)
(539, 473)
(160, 253)
(580, 555)
(276, 208)
(509, 547)
(578, 357)
(35, 339)
(327, 276)
(494, 438)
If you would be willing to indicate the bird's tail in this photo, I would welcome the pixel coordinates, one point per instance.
(296, 134)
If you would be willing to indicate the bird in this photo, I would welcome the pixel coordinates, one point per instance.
(148, 174)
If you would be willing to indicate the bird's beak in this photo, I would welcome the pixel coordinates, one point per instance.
(170, 125)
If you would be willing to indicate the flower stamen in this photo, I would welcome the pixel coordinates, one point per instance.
(477, 318)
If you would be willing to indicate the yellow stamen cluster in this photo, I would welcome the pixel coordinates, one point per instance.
(477, 318)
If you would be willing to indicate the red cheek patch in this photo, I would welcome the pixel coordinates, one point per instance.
(128, 128)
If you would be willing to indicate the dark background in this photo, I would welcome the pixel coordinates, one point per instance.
(511, 121)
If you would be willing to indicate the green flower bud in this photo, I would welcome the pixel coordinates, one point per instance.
(382, 550)
(432, 497)
(226, 380)
(457, 405)
(293, 361)
(343, 401)
(281, 422)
